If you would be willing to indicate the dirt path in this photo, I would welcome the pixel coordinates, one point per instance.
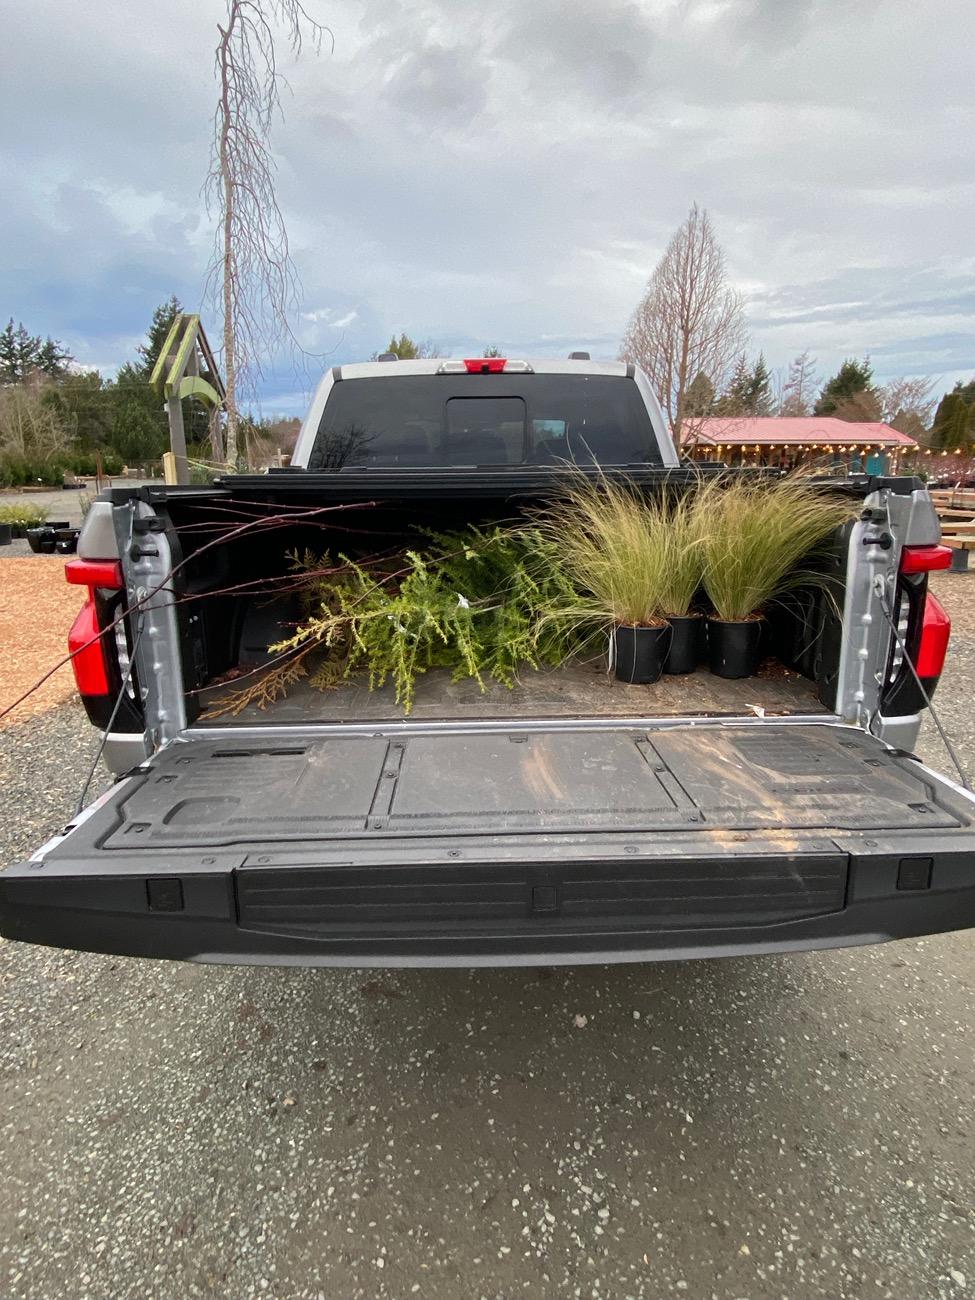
(37, 608)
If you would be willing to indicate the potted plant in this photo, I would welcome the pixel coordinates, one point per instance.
(611, 544)
(22, 517)
(755, 535)
(681, 533)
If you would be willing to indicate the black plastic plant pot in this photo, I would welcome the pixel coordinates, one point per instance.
(640, 653)
(38, 538)
(734, 648)
(6, 534)
(686, 648)
(57, 523)
(66, 540)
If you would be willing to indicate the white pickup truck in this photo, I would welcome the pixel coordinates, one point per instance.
(571, 819)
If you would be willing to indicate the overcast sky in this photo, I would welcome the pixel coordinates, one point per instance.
(509, 173)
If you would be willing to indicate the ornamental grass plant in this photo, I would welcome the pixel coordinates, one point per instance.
(682, 527)
(612, 545)
(757, 536)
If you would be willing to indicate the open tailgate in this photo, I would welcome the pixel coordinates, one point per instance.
(495, 842)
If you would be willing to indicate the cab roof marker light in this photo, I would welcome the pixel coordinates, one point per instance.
(485, 365)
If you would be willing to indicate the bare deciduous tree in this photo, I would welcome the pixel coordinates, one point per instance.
(688, 323)
(30, 429)
(252, 272)
(799, 389)
(906, 404)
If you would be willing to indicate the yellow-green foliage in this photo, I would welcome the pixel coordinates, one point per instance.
(682, 527)
(755, 533)
(475, 602)
(23, 516)
(612, 545)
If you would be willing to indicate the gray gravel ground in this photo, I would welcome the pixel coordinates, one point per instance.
(742, 1129)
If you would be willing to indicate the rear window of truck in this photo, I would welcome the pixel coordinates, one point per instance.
(466, 420)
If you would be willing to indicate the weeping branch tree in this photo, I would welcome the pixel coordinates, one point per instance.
(252, 273)
(689, 322)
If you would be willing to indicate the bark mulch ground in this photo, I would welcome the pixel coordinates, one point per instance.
(37, 607)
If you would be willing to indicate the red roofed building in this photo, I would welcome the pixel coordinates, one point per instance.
(873, 447)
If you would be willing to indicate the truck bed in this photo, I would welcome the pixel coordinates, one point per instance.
(578, 690)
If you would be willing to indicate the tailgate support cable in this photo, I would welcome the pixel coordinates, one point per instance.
(111, 719)
(888, 614)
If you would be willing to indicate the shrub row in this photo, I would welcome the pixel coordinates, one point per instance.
(19, 471)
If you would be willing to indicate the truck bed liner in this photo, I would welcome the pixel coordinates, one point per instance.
(577, 690)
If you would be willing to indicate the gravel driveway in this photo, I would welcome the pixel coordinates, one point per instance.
(771, 1127)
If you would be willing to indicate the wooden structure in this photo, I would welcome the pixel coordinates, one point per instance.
(787, 442)
(956, 510)
(177, 374)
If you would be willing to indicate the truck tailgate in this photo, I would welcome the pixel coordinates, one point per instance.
(505, 842)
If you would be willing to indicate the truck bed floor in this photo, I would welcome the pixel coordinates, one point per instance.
(573, 690)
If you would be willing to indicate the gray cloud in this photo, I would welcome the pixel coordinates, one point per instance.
(510, 174)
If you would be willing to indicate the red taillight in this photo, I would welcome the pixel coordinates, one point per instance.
(85, 644)
(925, 559)
(94, 573)
(935, 631)
(485, 365)
(88, 651)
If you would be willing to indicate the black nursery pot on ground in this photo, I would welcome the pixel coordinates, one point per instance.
(6, 534)
(41, 540)
(66, 540)
(639, 652)
(734, 647)
(686, 646)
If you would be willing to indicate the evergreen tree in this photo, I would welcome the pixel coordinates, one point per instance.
(699, 398)
(23, 354)
(53, 358)
(749, 390)
(952, 428)
(942, 419)
(84, 405)
(408, 349)
(850, 389)
(732, 401)
(159, 327)
(139, 428)
(960, 430)
(760, 389)
(954, 421)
